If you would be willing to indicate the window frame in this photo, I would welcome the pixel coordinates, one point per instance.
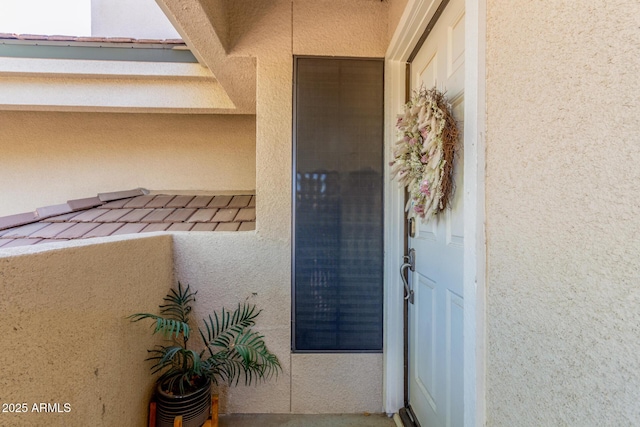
(294, 167)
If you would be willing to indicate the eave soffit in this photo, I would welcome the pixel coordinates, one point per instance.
(203, 25)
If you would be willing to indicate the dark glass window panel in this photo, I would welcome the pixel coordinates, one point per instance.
(338, 205)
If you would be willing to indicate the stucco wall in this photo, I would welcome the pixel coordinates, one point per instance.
(65, 338)
(563, 218)
(396, 9)
(242, 264)
(49, 158)
(340, 28)
(228, 267)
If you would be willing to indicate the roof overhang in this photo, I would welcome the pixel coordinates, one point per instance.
(219, 83)
(113, 86)
(203, 28)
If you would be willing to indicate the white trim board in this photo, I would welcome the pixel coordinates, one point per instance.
(415, 18)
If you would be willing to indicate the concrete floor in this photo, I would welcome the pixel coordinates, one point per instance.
(288, 420)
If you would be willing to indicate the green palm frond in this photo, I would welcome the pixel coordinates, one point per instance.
(178, 304)
(233, 350)
(231, 369)
(221, 330)
(174, 318)
(168, 327)
(257, 359)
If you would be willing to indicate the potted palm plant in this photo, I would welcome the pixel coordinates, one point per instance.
(231, 350)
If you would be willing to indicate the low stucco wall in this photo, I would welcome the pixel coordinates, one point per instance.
(49, 158)
(562, 214)
(65, 338)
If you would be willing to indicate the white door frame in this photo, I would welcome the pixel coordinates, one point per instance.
(415, 18)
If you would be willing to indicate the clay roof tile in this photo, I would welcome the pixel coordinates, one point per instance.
(128, 212)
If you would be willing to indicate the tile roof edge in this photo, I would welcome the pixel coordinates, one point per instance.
(53, 210)
(117, 195)
(16, 220)
(88, 39)
(75, 205)
(204, 192)
(86, 203)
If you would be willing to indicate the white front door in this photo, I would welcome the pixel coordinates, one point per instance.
(435, 319)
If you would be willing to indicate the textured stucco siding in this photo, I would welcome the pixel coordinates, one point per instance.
(65, 338)
(349, 382)
(228, 268)
(340, 27)
(242, 264)
(336, 383)
(396, 9)
(563, 218)
(214, 152)
(49, 158)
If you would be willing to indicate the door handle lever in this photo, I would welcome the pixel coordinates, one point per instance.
(410, 263)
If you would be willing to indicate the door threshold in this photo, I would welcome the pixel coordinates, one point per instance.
(408, 418)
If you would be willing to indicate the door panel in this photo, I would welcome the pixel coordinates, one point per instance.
(455, 312)
(436, 317)
(425, 300)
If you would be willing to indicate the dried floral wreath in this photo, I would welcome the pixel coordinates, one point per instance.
(423, 157)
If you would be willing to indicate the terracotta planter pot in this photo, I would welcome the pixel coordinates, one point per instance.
(194, 407)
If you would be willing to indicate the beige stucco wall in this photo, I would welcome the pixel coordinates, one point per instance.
(336, 383)
(65, 338)
(48, 158)
(396, 9)
(242, 264)
(340, 28)
(563, 218)
(225, 267)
